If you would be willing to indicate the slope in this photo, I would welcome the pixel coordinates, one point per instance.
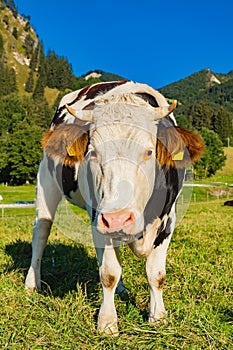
(19, 41)
(215, 89)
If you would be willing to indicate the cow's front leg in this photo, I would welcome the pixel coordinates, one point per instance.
(156, 274)
(120, 289)
(110, 272)
(41, 232)
(48, 197)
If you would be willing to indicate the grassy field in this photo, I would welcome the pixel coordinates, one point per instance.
(197, 293)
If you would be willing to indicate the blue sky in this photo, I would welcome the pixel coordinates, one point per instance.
(155, 42)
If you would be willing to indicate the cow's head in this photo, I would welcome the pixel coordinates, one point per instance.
(119, 153)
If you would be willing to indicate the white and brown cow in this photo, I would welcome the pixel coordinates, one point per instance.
(114, 149)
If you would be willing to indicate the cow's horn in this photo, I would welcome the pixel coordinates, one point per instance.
(162, 112)
(86, 116)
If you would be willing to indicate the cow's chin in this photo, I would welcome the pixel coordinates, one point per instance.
(127, 234)
(124, 237)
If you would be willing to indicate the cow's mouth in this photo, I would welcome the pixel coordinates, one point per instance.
(124, 237)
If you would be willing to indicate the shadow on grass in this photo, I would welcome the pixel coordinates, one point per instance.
(63, 267)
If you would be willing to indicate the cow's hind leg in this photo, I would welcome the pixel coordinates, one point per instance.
(156, 274)
(41, 232)
(122, 291)
(48, 197)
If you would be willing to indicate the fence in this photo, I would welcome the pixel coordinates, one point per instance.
(190, 193)
(15, 206)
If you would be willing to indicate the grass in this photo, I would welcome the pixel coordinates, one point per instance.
(227, 171)
(197, 293)
(12, 194)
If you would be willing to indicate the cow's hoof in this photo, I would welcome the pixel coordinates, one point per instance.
(107, 327)
(31, 284)
(31, 290)
(122, 291)
(160, 317)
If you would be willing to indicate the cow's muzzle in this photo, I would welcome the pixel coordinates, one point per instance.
(123, 221)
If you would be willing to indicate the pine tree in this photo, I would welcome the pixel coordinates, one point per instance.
(35, 59)
(213, 158)
(58, 72)
(15, 33)
(222, 125)
(7, 80)
(30, 82)
(201, 116)
(23, 155)
(1, 47)
(41, 81)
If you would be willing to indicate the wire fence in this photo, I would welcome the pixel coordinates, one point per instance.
(190, 194)
(5, 206)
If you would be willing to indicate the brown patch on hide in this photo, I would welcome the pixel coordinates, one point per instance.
(90, 106)
(175, 141)
(148, 98)
(108, 281)
(102, 88)
(160, 281)
(80, 95)
(66, 142)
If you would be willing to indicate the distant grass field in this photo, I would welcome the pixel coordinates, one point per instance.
(226, 173)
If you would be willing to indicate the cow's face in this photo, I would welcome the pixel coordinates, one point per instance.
(121, 163)
(122, 160)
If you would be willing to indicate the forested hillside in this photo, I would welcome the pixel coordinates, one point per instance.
(32, 83)
(205, 100)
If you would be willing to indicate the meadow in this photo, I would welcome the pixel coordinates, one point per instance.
(197, 292)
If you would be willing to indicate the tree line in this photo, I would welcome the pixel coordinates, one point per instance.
(215, 127)
(23, 121)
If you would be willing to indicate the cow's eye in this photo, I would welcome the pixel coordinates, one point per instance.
(148, 154)
(93, 154)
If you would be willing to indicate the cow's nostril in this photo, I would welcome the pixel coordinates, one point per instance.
(104, 221)
(130, 219)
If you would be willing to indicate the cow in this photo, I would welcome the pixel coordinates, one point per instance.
(115, 149)
(229, 203)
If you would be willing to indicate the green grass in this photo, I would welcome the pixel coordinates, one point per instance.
(197, 293)
(12, 194)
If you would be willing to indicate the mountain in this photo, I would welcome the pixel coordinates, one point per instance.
(18, 41)
(101, 75)
(25, 68)
(24, 63)
(213, 88)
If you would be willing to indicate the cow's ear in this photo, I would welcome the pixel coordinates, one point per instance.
(66, 143)
(178, 147)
